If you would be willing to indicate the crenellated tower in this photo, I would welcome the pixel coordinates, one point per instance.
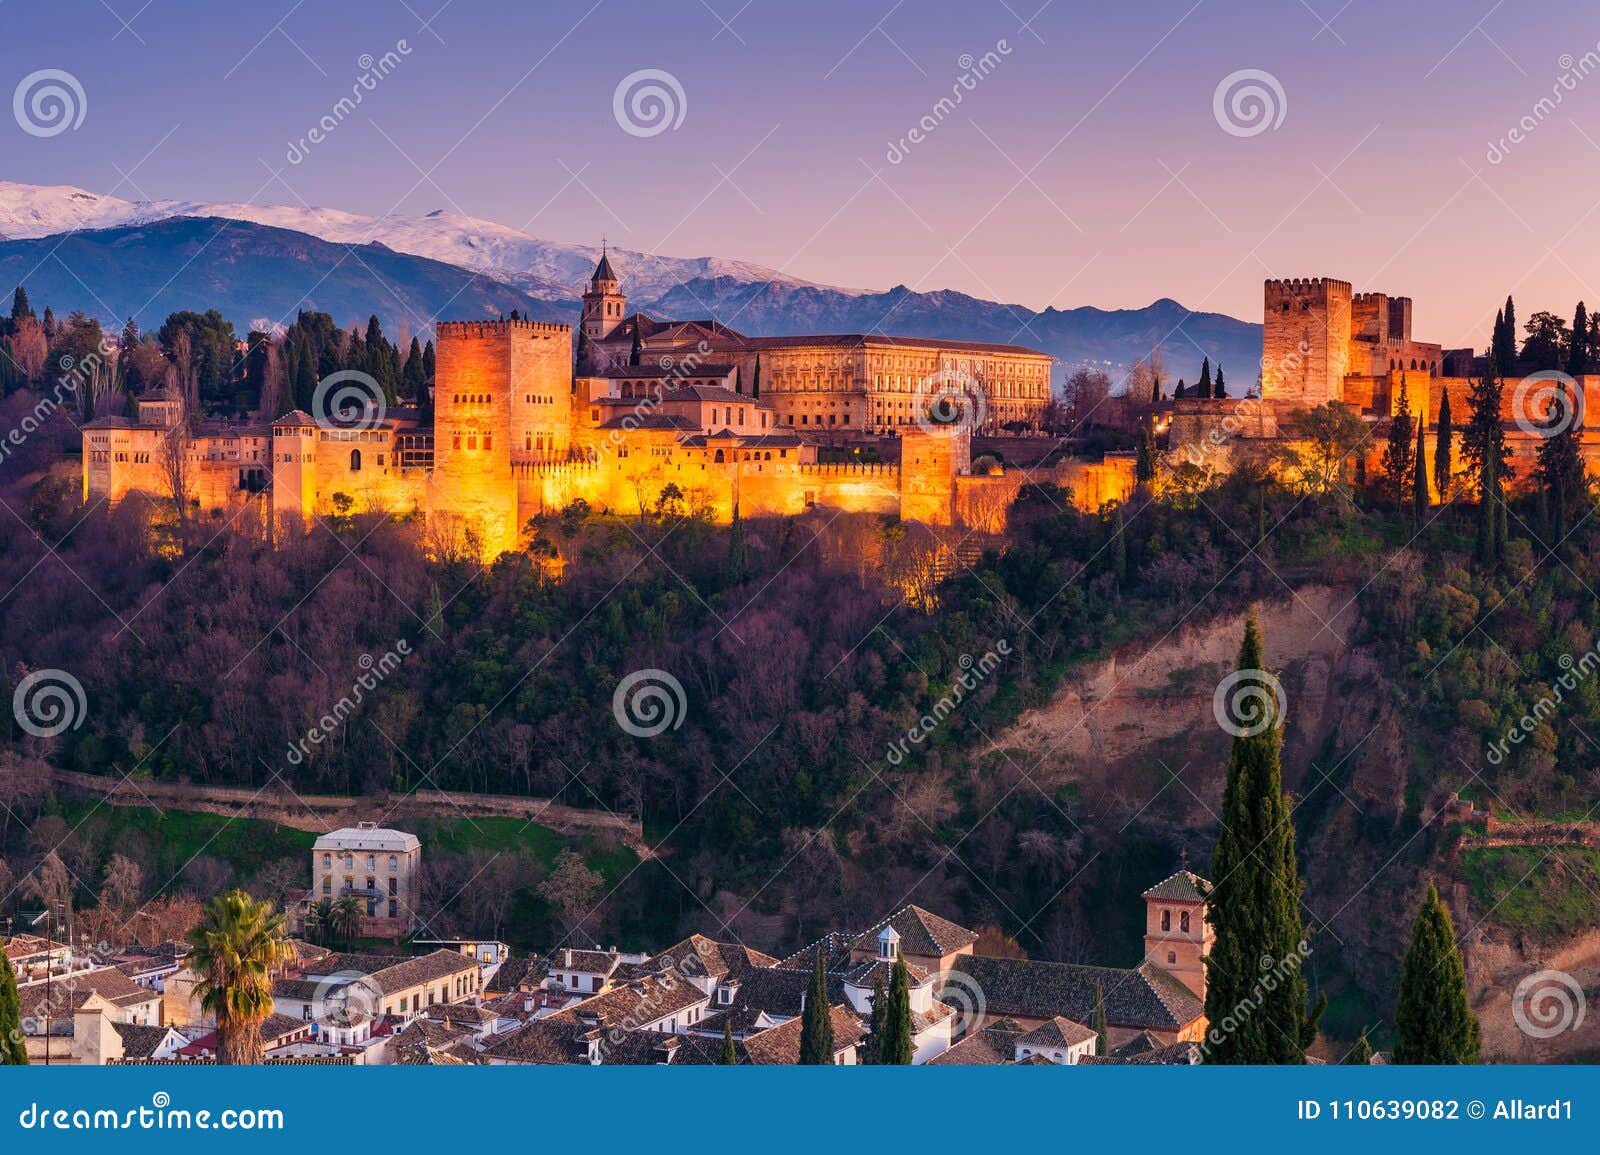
(1305, 343)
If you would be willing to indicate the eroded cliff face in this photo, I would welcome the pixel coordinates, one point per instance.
(1136, 737)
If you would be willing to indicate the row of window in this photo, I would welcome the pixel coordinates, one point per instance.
(349, 861)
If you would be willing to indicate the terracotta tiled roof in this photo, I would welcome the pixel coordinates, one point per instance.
(637, 1003)
(993, 1046)
(1057, 1033)
(1184, 886)
(711, 958)
(141, 1042)
(1176, 1055)
(921, 933)
(1146, 997)
(544, 1041)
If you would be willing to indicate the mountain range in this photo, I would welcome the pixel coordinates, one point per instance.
(257, 264)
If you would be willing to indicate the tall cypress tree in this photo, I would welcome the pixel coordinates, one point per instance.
(1254, 904)
(305, 377)
(1484, 435)
(1419, 478)
(871, 1052)
(19, 304)
(1097, 1022)
(636, 354)
(816, 1021)
(1505, 352)
(1397, 460)
(755, 379)
(1220, 389)
(1443, 437)
(1562, 480)
(1359, 1055)
(1205, 378)
(13, 1048)
(1433, 1022)
(895, 1050)
(1578, 354)
(729, 1057)
(1181, 391)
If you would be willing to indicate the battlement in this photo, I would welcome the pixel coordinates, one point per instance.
(1370, 300)
(849, 468)
(1297, 286)
(462, 329)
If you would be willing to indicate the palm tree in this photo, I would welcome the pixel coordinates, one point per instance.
(346, 920)
(237, 945)
(319, 921)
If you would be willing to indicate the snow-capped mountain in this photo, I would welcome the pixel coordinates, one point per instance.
(541, 268)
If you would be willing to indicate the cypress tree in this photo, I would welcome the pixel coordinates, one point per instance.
(1505, 352)
(1397, 461)
(19, 304)
(636, 354)
(1484, 435)
(1155, 388)
(1144, 462)
(1254, 905)
(1181, 391)
(1433, 1022)
(1443, 436)
(583, 349)
(13, 1048)
(755, 379)
(896, 1047)
(411, 373)
(1578, 354)
(1205, 378)
(1119, 550)
(1562, 480)
(1219, 390)
(1097, 1021)
(1419, 478)
(729, 1057)
(816, 1021)
(1359, 1055)
(872, 1053)
(305, 378)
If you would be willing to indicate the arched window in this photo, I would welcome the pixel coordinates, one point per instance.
(1172, 957)
(355, 461)
(1166, 920)
(718, 458)
(1183, 922)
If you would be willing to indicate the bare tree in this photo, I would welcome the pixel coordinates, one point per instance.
(124, 884)
(175, 474)
(572, 889)
(1085, 396)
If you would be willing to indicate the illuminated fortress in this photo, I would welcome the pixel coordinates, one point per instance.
(687, 416)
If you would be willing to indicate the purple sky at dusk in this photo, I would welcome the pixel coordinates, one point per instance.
(1087, 168)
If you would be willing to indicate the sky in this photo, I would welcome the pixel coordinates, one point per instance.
(1087, 162)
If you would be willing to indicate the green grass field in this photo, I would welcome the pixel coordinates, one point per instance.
(1521, 889)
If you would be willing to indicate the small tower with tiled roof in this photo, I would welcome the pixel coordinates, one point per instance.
(1177, 933)
(604, 304)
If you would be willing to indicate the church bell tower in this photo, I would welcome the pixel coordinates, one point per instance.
(604, 304)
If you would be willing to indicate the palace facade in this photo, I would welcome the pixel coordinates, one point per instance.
(698, 418)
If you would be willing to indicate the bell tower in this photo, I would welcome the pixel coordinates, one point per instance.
(1177, 934)
(604, 304)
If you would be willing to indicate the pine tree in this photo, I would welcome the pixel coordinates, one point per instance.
(1578, 355)
(1562, 480)
(1397, 454)
(636, 354)
(1443, 436)
(1219, 390)
(871, 1051)
(816, 1021)
(1433, 1021)
(1205, 379)
(1419, 478)
(19, 304)
(1489, 543)
(1097, 1022)
(13, 1048)
(1359, 1055)
(895, 1050)
(729, 1057)
(1181, 391)
(1254, 905)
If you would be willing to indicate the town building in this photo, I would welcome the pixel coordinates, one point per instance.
(378, 867)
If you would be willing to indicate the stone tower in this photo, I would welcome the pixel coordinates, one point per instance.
(1305, 342)
(604, 304)
(498, 386)
(1177, 935)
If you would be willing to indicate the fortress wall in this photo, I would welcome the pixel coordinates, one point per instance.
(1306, 339)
